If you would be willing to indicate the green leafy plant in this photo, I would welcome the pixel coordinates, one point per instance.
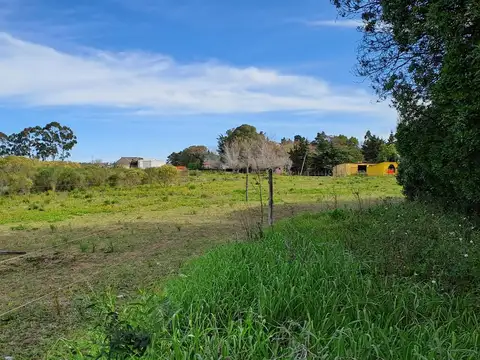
(84, 247)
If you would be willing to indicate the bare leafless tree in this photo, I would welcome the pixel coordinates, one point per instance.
(260, 154)
(232, 156)
(269, 155)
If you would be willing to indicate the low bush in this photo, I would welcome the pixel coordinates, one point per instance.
(126, 177)
(16, 175)
(116, 178)
(133, 177)
(70, 179)
(96, 176)
(20, 175)
(46, 179)
(165, 175)
(299, 294)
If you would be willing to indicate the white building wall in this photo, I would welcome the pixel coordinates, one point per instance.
(149, 163)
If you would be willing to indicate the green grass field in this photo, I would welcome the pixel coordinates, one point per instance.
(82, 243)
(349, 271)
(341, 284)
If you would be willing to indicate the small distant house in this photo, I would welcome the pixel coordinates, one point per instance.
(350, 169)
(128, 162)
(149, 163)
(384, 168)
(138, 163)
(181, 168)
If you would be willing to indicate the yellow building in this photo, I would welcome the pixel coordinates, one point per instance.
(384, 168)
(350, 169)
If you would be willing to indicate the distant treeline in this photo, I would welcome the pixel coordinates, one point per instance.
(245, 147)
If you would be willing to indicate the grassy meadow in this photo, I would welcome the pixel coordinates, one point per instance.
(339, 284)
(84, 242)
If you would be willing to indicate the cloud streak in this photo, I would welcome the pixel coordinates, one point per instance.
(37, 75)
(348, 23)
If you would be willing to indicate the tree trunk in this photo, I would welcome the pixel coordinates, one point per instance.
(303, 163)
(270, 197)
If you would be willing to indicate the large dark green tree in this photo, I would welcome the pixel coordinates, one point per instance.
(425, 55)
(388, 152)
(300, 154)
(3, 143)
(241, 133)
(322, 158)
(334, 150)
(53, 141)
(348, 149)
(391, 139)
(372, 145)
(192, 157)
(56, 141)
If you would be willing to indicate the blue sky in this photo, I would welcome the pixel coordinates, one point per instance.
(148, 77)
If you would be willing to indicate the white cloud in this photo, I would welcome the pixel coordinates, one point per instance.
(36, 75)
(348, 23)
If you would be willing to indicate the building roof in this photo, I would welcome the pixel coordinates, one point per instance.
(127, 160)
(149, 159)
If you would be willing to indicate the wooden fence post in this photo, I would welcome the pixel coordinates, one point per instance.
(246, 185)
(270, 197)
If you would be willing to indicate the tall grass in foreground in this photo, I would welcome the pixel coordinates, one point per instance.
(299, 293)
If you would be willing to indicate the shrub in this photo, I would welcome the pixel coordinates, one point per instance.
(126, 177)
(116, 179)
(96, 176)
(19, 184)
(134, 177)
(46, 179)
(16, 174)
(165, 175)
(70, 179)
(441, 160)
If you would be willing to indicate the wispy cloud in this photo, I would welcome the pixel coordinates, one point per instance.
(346, 23)
(38, 75)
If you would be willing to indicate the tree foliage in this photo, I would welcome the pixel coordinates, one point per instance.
(245, 148)
(242, 133)
(53, 141)
(334, 150)
(371, 148)
(192, 157)
(300, 154)
(425, 55)
(388, 152)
